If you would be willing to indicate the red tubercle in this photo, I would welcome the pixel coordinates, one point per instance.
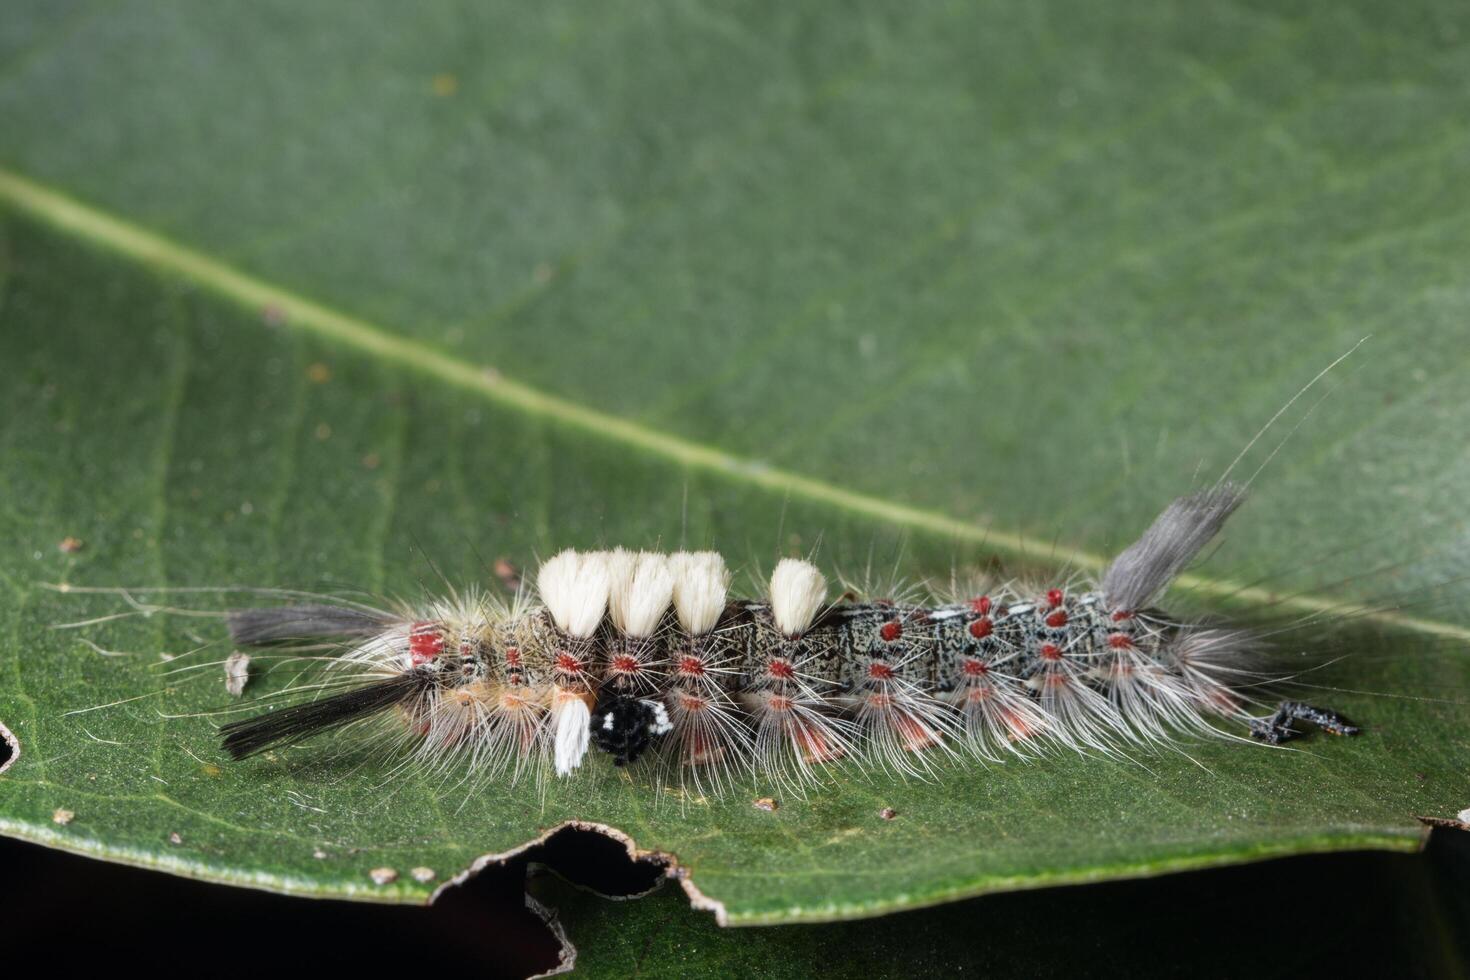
(815, 746)
(693, 702)
(624, 664)
(891, 631)
(880, 671)
(976, 668)
(691, 667)
(513, 656)
(425, 642)
(916, 735)
(781, 670)
(981, 628)
(568, 664)
(1021, 726)
(1120, 641)
(1121, 615)
(981, 605)
(1054, 597)
(1057, 619)
(1050, 651)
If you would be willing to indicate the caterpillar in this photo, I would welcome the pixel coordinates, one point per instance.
(646, 656)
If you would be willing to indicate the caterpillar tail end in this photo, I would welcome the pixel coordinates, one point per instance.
(287, 726)
(1276, 728)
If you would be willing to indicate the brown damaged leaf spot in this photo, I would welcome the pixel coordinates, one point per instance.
(672, 869)
(9, 748)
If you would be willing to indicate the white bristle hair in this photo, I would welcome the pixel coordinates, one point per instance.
(798, 592)
(571, 734)
(619, 563)
(574, 587)
(642, 588)
(701, 584)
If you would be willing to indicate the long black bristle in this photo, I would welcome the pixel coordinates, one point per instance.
(288, 726)
(253, 627)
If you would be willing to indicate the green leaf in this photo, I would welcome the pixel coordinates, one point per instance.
(296, 296)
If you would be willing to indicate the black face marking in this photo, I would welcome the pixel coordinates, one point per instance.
(626, 727)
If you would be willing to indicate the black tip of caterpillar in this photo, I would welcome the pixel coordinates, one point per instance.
(287, 726)
(1277, 729)
(1172, 541)
(255, 627)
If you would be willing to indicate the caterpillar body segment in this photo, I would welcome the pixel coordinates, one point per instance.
(646, 656)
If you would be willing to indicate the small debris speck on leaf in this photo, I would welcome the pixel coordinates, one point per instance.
(70, 545)
(319, 373)
(237, 673)
(319, 854)
(174, 838)
(62, 817)
(422, 874)
(767, 804)
(383, 876)
(888, 813)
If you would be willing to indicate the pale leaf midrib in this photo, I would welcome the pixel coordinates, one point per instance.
(104, 230)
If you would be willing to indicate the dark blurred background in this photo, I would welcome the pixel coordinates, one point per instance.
(1326, 916)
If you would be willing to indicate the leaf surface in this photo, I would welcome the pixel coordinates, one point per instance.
(295, 297)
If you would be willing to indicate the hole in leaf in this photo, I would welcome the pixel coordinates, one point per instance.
(599, 863)
(9, 748)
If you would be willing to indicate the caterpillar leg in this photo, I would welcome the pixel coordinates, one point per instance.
(1276, 728)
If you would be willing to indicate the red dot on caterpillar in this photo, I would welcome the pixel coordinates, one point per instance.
(815, 745)
(425, 642)
(880, 671)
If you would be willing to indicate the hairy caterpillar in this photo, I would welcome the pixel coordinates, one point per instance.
(647, 656)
